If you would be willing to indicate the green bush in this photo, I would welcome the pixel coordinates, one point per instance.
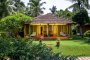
(14, 23)
(21, 49)
(87, 35)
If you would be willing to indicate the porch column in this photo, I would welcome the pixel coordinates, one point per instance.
(67, 28)
(47, 29)
(52, 29)
(61, 28)
(70, 29)
(40, 29)
(24, 30)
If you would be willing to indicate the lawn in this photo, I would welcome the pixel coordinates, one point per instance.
(70, 47)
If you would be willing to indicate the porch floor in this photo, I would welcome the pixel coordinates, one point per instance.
(53, 38)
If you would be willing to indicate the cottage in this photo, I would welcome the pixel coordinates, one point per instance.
(48, 25)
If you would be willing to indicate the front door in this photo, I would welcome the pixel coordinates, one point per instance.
(41, 30)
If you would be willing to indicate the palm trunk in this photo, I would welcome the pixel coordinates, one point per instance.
(16, 34)
(81, 31)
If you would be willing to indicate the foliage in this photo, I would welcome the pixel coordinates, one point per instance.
(87, 35)
(6, 8)
(21, 49)
(79, 4)
(75, 37)
(35, 8)
(14, 23)
(20, 6)
(64, 13)
(81, 18)
(53, 9)
(9, 7)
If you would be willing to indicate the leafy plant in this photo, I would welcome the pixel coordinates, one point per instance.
(22, 49)
(79, 4)
(53, 9)
(14, 23)
(35, 8)
(87, 35)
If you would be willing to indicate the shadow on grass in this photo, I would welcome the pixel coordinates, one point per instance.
(77, 38)
(80, 40)
(86, 41)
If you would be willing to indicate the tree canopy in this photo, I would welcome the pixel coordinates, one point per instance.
(64, 13)
(81, 18)
(35, 8)
(14, 23)
(8, 7)
(79, 4)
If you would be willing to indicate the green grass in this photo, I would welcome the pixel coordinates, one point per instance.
(70, 47)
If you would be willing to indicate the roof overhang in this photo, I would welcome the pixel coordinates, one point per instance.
(47, 24)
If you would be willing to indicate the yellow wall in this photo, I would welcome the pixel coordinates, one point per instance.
(38, 30)
(56, 29)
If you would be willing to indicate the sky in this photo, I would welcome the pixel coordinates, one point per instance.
(60, 4)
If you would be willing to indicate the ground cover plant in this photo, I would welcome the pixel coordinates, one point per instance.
(87, 36)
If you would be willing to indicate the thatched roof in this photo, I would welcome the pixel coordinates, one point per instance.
(50, 19)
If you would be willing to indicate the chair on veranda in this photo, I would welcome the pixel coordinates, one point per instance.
(62, 34)
(33, 34)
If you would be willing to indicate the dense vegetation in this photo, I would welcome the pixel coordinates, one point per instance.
(80, 8)
(23, 49)
(79, 5)
(14, 23)
(81, 18)
(9, 7)
(87, 35)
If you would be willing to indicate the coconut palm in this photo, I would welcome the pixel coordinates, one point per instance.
(6, 8)
(53, 9)
(35, 8)
(79, 4)
(81, 18)
(20, 6)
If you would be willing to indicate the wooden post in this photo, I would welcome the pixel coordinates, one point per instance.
(47, 29)
(24, 30)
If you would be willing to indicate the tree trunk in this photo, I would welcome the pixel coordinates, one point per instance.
(81, 31)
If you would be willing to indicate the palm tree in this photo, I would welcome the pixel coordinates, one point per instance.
(79, 4)
(35, 7)
(81, 18)
(20, 6)
(53, 9)
(6, 8)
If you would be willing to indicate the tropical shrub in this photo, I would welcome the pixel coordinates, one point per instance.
(21, 49)
(14, 23)
(87, 35)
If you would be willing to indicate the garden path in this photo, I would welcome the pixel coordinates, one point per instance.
(83, 58)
